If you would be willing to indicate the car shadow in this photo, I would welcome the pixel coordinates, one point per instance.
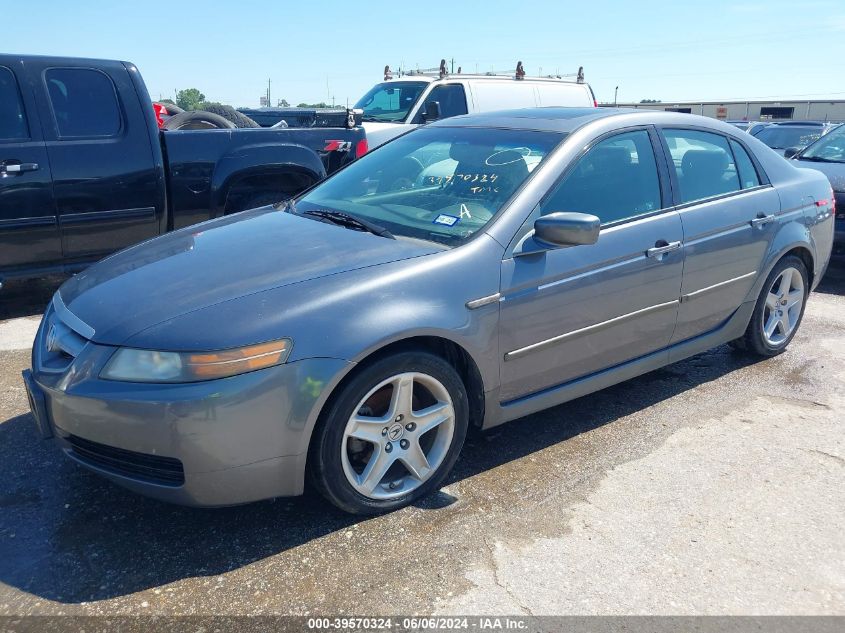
(69, 536)
(833, 281)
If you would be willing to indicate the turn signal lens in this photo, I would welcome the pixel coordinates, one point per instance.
(140, 365)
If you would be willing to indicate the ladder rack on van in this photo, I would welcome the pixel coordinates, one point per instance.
(519, 74)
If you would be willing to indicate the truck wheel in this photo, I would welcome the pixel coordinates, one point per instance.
(198, 120)
(391, 434)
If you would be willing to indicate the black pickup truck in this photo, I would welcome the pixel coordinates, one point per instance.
(85, 170)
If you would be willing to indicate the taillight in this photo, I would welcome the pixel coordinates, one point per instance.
(159, 110)
(595, 103)
(361, 148)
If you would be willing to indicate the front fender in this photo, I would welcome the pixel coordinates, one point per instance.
(261, 159)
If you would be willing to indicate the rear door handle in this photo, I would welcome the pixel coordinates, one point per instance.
(17, 168)
(762, 220)
(661, 247)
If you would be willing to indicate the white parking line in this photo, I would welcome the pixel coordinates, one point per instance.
(18, 333)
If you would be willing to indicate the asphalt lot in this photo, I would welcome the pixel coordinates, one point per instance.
(713, 486)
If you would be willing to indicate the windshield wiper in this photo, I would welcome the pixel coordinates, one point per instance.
(342, 218)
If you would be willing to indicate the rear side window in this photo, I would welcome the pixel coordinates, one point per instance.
(747, 174)
(84, 102)
(13, 124)
(615, 180)
(703, 163)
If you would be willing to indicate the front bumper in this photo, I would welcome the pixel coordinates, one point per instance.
(221, 442)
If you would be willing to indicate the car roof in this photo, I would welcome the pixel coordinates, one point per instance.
(566, 120)
(800, 123)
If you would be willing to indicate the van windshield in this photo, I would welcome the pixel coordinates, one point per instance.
(391, 101)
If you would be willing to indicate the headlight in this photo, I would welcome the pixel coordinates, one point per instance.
(141, 365)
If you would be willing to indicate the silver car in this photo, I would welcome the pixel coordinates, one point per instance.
(470, 272)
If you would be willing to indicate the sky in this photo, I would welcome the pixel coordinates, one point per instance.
(332, 50)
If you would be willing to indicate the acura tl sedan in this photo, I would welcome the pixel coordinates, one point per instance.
(470, 272)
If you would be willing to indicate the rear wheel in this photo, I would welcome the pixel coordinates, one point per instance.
(779, 309)
(391, 435)
(198, 120)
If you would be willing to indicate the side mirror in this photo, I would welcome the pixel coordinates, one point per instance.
(789, 152)
(432, 111)
(560, 229)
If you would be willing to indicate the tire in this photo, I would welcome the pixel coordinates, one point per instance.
(379, 439)
(238, 119)
(172, 109)
(775, 299)
(198, 120)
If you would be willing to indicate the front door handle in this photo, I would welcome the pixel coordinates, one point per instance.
(17, 168)
(661, 247)
(762, 219)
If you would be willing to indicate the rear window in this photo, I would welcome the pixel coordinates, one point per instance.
(12, 118)
(84, 102)
(783, 136)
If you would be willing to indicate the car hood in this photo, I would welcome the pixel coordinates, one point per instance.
(835, 172)
(217, 261)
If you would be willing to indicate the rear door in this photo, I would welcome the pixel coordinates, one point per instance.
(99, 146)
(729, 213)
(29, 235)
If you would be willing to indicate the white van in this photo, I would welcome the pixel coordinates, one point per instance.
(393, 106)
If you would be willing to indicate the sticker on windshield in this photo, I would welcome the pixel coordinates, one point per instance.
(447, 220)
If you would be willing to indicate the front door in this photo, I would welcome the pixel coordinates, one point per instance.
(29, 235)
(570, 312)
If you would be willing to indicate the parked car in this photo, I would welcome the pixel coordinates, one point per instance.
(780, 135)
(827, 155)
(354, 334)
(756, 126)
(85, 170)
(402, 103)
(740, 124)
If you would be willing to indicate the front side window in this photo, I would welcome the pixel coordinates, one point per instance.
(83, 101)
(13, 124)
(435, 184)
(829, 149)
(391, 101)
(703, 163)
(615, 180)
(451, 98)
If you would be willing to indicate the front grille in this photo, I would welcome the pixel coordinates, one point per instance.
(60, 344)
(165, 471)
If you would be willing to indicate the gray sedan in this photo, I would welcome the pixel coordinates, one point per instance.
(468, 273)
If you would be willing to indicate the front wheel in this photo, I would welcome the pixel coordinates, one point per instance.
(391, 435)
(779, 309)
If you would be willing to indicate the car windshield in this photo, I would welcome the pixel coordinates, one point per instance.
(438, 184)
(831, 147)
(783, 136)
(391, 101)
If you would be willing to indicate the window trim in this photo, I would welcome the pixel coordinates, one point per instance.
(63, 137)
(659, 165)
(673, 174)
(17, 84)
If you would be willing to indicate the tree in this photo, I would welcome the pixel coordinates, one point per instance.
(313, 105)
(650, 101)
(170, 101)
(189, 99)
(283, 103)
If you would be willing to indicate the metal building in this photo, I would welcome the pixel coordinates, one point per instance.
(815, 110)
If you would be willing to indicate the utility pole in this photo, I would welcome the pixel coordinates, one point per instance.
(615, 92)
(269, 103)
(453, 66)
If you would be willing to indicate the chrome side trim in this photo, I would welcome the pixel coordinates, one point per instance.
(70, 319)
(534, 347)
(696, 293)
(483, 301)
